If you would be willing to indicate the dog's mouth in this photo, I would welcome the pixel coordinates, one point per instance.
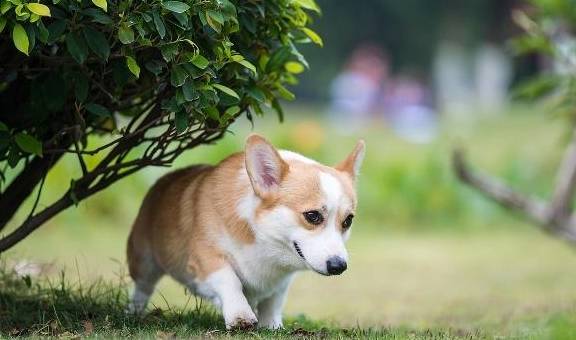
(301, 254)
(298, 250)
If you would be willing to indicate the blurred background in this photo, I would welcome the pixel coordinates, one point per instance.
(415, 79)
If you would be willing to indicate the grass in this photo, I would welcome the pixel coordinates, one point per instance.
(497, 283)
(57, 308)
(44, 308)
(429, 257)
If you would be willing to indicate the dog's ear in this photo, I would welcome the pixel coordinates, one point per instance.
(351, 165)
(265, 167)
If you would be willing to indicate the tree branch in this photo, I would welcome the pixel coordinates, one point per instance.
(113, 168)
(498, 191)
(534, 209)
(23, 185)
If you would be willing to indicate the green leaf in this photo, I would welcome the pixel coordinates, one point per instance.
(102, 4)
(308, 4)
(199, 61)
(55, 30)
(3, 127)
(133, 66)
(175, 6)
(257, 94)
(2, 23)
(189, 91)
(284, 93)
(215, 20)
(154, 66)
(31, 33)
(125, 34)
(98, 16)
(39, 9)
(278, 58)
(178, 76)
(98, 110)
(216, 16)
(236, 57)
(181, 121)
(182, 18)
(212, 112)
(294, 67)
(43, 32)
(34, 17)
(13, 157)
(313, 36)
(76, 47)
(20, 39)
(226, 90)
(28, 143)
(232, 111)
(248, 65)
(159, 23)
(5, 7)
(169, 51)
(278, 108)
(97, 42)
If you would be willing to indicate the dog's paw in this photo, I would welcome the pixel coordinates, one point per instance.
(243, 322)
(133, 309)
(274, 323)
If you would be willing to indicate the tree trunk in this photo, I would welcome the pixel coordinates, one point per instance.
(23, 185)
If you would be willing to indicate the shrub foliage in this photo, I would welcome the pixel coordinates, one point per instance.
(155, 77)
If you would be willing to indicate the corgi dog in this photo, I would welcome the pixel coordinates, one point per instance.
(236, 233)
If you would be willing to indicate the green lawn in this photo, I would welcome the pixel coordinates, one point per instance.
(429, 258)
(502, 283)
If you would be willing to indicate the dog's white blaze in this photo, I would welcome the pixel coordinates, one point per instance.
(332, 190)
(290, 155)
(318, 246)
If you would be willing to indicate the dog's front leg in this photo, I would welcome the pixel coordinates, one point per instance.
(225, 286)
(270, 309)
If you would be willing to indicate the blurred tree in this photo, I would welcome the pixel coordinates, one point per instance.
(550, 29)
(155, 77)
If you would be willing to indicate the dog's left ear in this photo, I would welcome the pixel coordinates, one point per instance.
(351, 165)
(265, 167)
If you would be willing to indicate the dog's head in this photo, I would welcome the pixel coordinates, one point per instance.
(303, 206)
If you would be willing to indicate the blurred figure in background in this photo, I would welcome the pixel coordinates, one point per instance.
(407, 107)
(356, 91)
(365, 91)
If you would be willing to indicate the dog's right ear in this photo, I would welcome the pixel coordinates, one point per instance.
(351, 165)
(265, 167)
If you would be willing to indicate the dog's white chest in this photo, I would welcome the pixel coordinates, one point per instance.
(262, 269)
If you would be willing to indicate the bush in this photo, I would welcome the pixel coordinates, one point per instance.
(159, 77)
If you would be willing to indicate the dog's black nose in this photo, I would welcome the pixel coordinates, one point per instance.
(336, 265)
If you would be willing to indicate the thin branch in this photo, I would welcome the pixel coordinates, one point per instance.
(37, 200)
(113, 168)
(498, 191)
(23, 185)
(80, 159)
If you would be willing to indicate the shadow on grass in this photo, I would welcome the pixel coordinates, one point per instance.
(30, 308)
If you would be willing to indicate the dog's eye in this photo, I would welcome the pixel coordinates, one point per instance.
(314, 217)
(347, 222)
